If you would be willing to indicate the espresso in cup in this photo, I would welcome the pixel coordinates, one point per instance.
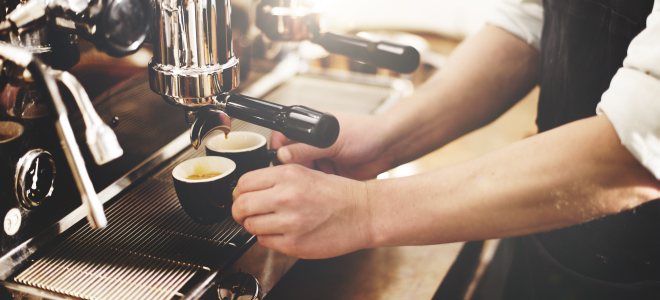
(204, 186)
(247, 149)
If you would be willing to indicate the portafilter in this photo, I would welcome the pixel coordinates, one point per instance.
(194, 67)
(299, 20)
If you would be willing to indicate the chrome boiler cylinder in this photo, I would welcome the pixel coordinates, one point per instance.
(193, 59)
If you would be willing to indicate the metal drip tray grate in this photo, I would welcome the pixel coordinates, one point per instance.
(151, 250)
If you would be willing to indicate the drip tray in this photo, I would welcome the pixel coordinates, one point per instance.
(151, 250)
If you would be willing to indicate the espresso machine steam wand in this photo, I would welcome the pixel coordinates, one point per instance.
(194, 67)
(101, 139)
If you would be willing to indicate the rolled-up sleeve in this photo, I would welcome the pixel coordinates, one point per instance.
(632, 103)
(522, 18)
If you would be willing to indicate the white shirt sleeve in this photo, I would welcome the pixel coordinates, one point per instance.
(632, 103)
(522, 18)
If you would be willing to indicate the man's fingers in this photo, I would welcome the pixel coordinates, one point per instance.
(277, 140)
(268, 224)
(255, 181)
(271, 241)
(251, 205)
(301, 154)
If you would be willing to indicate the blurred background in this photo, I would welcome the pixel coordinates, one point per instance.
(449, 18)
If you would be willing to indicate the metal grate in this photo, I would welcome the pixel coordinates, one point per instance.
(151, 250)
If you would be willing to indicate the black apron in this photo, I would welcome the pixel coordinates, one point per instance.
(584, 43)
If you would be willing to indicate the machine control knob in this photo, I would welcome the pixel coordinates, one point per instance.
(35, 178)
(239, 286)
(12, 222)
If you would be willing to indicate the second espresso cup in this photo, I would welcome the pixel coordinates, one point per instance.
(249, 150)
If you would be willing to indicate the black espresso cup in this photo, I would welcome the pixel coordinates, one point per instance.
(247, 149)
(204, 186)
(11, 134)
(10, 139)
(11, 147)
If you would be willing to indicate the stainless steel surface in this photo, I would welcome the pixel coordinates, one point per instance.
(26, 13)
(15, 54)
(206, 122)
(30, 11)
(25, 187)
(194, 59)
(193, 52)
(289, 20)
(101, 140)
(265, 264)
(90, 200)
(151, 250)
(300, 20)
(12, 221)
(239, 286)
(36, 39)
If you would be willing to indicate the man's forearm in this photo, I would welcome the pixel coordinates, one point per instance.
(484, 77)
(563, 177)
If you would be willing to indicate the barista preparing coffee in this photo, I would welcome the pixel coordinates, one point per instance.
(596, 173)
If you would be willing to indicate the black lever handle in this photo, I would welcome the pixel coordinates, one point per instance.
(399, 58)
(297, 122)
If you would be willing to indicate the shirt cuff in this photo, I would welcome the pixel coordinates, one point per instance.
(520, 18)
(631, 105)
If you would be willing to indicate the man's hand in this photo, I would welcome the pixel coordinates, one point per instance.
(303, 212)
(359, 152)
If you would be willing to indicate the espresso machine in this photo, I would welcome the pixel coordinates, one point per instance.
(65, 155)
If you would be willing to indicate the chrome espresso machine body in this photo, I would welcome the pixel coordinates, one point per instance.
(142, 246)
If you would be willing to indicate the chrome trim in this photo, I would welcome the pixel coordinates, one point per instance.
(16, 54)
(12, 221)
(90, 200)
(101, 140)
(35, 292)
(196, 87)
(28, 12)
(193, 58)
(289, 20)
(22, 167)
(207, 122)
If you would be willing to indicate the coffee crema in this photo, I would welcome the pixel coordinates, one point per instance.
(203, 176)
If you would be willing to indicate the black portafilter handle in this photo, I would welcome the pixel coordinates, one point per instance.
(297, 122)
(399, 58)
